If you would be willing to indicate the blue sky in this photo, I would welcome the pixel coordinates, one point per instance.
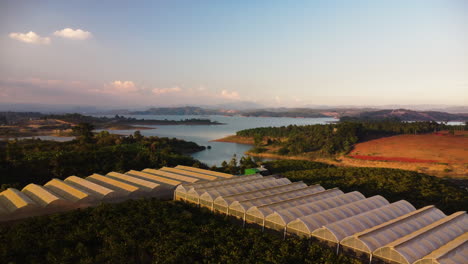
(277, 53)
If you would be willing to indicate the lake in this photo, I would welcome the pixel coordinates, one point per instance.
(204, 134)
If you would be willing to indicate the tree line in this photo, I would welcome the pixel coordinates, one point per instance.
(37, 161)
(330, 139)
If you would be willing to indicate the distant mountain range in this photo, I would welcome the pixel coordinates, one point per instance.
(407, 115)
(355, 113)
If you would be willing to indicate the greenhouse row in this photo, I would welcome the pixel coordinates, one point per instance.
(75, 192)
(367, 227)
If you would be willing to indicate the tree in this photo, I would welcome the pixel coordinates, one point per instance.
(84, 132)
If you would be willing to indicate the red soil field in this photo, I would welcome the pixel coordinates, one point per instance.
(429, 148)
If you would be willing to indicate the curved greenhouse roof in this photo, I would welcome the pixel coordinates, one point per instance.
(153, 178)
(422, 242)
(173, 176)
(15, 201)
(380, 235)
(243, 206)
(198, 175)
(91, 188)
(225, 201)
(185, 187)
(285, 216)
(212, 193)
(209, 172)
(456, 251)
(69, 192)
(142, 184)
(305, 225)
(196, 191)
(335, 232)
(42, 196)
(124, 189)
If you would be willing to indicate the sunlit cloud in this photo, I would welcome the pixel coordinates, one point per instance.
(30, 37)
(230, 95)
(159, 91)
(73, 34)
(118, 87)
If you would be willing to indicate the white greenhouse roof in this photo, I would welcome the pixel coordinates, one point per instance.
(91, 188)
(317, 220)
(456, 251)
(209, 172)
(245, 205)
(173, 176)
(383, 234)
(422, 242)
(227, 200)
(292, 213)
(335, 232)
(142, 184)
(213, 193)
(153, 178)
(185, 187)
(190, 173)
(68, 192)
(42, 196)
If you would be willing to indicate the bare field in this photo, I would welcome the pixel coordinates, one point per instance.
(440, 154)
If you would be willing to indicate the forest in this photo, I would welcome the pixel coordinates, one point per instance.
(333, 139)
(151, 231)
(417, 188)
(36, 161)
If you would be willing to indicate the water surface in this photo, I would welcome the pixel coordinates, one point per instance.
(204, 134)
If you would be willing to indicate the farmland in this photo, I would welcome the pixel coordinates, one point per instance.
(439, 153)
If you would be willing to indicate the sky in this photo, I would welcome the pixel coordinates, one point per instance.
(274, 53)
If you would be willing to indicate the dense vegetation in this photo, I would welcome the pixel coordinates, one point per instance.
(36, 161)
(122, 120)
(393, 184)
(332, 138)
(150, 231)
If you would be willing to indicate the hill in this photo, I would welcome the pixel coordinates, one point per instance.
(406, 115)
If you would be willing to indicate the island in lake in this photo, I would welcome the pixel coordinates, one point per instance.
(28, 124)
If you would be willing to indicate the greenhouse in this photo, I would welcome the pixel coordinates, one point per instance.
(335, 232)
(193, 195)
(200, 176)
(70, 193)
(456, 251)
(173, 176)
(208, 197)
(239, 209)
(43, 197)
(279, 219)
(94, 189)
(181, 190)
(422, 242)
(14, 201)
(153, 178)
(221, 204)
(209, 172)
(305, 225)
(378, 236)
(122, 188)
(144, 185)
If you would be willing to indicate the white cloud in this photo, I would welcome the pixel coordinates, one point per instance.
(230, 95)
(159, 91)
(117, 87)
(30, 37)
(73, 33)
(278, 99)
